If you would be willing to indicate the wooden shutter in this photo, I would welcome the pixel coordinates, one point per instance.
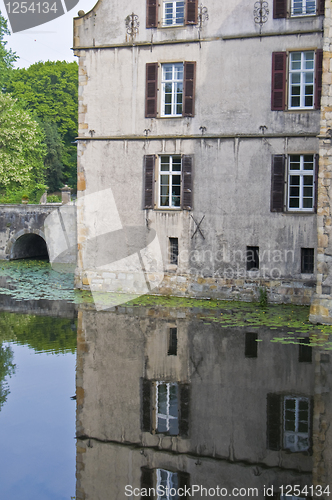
(187, 195)
(318, 77)
(189, 89)
(184, 410)
(316, 182)
(277, 183)
(183, 482)
(279, 9)
(147, 481)
(149, 164)
(273, 431)
(278, 81)
(191, 11)
(151, 13)
(151, 90)
(311, 425)
(146, 398)
(320, 7)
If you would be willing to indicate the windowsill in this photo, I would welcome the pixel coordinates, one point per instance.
(162, 209)
(299, 212)
(301, 109)
(162, 26)
(171, 116)
(295, 16)
(171, 268)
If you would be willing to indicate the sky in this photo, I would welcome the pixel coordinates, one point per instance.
(51, 41)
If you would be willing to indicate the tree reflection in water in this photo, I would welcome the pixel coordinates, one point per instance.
(7, 369)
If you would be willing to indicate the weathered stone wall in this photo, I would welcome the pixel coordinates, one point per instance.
(321, 309)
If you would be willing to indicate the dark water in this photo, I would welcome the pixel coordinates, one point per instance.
(173, 396)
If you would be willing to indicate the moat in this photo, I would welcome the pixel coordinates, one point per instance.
(160, 395)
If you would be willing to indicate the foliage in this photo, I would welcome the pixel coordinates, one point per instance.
(7, 368)
(7, 57)
(49, 90)
(41, 333)
(263, 297)
(53, 198)
(53, 159)
(21, 148)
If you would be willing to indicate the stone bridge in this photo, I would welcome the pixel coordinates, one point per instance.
(45, 231)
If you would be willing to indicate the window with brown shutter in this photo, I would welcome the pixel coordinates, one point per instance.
(149, 164)
(277, 183)
(189, 89)
(151, 90)
(279, 9)
(273, 424)
(316, 182)
(146, 395)
(187, 165)
(320, 7)
(278, 97)
(151, 13)
(318, 77)
(191, 11)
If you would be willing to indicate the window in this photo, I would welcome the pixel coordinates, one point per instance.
(307, 260)
(301, 79)
(172, 13)
(296, 424)
(163, 483)
(172, 89)
(165, 407)
(252, 258)
(251, 345)
(303, 7)
(172, 342)
(174, 250)
(305, 80)
(173, 189)
(301, 182)
(177, 84)
(294, 183)
(305, 351)
(293, 8)
(289, 423)
(169, 182)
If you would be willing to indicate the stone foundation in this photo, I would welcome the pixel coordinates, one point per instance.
(282, 291)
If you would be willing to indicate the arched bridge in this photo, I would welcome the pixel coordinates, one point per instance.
(45, 231)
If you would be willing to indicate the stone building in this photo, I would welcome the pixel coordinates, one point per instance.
(198, 147)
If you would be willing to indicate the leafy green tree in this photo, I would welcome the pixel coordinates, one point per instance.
(21, 148)
(53, 159)
(49, 90)
(7, 57)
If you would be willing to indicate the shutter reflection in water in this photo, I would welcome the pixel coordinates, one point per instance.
(215, 411)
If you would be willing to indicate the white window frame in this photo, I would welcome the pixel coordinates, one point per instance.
(305, 6)
(174, 6)
(170, 483)
(296, 434)
(167, 416)
(170, 174)
(176, 83)
(302, 73)
(301, 173)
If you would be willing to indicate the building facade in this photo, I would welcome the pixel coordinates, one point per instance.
(198, 148)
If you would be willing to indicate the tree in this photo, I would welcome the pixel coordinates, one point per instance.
(54, 155)
(49, 91)
(21, 148)
(7, 57)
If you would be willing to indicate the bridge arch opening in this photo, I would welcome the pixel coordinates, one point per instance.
(28, 246)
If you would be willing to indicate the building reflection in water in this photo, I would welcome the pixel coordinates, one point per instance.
(165, 399)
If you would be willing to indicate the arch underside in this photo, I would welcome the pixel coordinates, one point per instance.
(27, 245)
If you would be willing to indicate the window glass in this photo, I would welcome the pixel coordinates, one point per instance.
(170, 181)
(172, 89)
(301, 80)
(173, 13)
(301, 182)
(167, 408)
(296, 423)
(303, 7)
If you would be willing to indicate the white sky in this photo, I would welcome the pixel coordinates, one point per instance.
(51, 41)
